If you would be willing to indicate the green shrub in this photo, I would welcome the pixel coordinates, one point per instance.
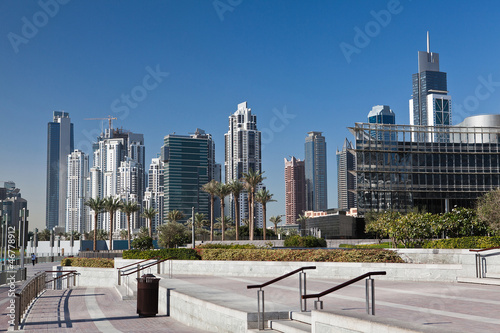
(179, 254)
(306, 241)
(88, 262)
(318, 255)
(386, 245)
(142, 243)
(226, 246)
(472, 242)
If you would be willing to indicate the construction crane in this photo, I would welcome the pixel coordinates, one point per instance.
(109, 118)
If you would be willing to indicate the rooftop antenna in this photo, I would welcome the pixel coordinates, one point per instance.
(428, 43)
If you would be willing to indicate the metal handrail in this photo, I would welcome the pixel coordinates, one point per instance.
(260, 293)
(147, 266)
(29, 290)
(135, 263)
(369, 284)
(61, 276)
(480, 272)
(280, 278)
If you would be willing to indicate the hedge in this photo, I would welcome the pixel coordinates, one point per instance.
(226, 246)
(306, 241)
(320, 255)
(88, 262)
(472, 242)
(179, 254)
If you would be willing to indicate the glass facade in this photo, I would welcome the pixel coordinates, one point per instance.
(399, 175)
(315, 172)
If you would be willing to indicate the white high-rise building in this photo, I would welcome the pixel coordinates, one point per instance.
(76, 195)
(118, 172)
(243, 153)
(153, 197)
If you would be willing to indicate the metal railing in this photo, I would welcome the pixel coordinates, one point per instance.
(68, 276)
(260, 293)
(30, 289)
(481, 261)
(139, 268)
(369, 285)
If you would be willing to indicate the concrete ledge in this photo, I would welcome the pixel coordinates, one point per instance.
(92, 277)
(336, 321)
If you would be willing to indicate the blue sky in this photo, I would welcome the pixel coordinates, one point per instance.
(284, 58)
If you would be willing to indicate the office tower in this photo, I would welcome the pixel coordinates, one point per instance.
(188, 164)
(76, 195)
(153, 197)
(11, 203)
(59, 146)
(346, 181)
(382, 114)
(295, 189)
(243, 153)
(315, 169)
(118, 171)
(430, 104)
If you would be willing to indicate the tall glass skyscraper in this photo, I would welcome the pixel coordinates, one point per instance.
(315, 169)
(346, 181)
(59, 145)
(188, 164)
(430, 104)
(382, 114)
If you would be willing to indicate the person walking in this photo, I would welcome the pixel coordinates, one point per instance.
(33, 258)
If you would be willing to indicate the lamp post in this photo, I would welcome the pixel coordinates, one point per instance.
(24, 215)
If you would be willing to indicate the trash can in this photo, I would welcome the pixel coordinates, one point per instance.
(147, 295)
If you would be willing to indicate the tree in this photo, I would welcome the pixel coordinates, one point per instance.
(200, 222)
(487, 209)
(44, 235)
(149, 214)
(174, 216)
(251, 180)
(111, 205)
(222, 191)
(143, 243)
(275, 220)
(211, 188)
(123, 234)
(129, 208)
(97, 205)
(263, 197)
(228, 222)
(172, 234)
(236, 188)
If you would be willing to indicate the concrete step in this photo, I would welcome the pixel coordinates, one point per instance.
(487, 280)
(304, 317)
(290, 326)
(492, 275)
(124, 293)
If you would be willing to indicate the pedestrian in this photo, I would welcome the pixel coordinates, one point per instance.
(33, 258)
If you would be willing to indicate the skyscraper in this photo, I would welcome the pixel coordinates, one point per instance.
(315, 169)
(382, 114)
(346, 181)
(189, 163)
(118, 171)
(430, 104)
(153, 197)
(76, 211)
(243, 153)
(295, 189)
(59, 146)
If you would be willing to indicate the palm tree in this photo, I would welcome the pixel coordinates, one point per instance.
(199, 223)
(263, 197)
(174, 216)
(111, 205)
(210, 188)
(252, 179)
(149, 214)
(236, 188)
(275, 220)
(129, 208)
(222, 191)
(97, 205)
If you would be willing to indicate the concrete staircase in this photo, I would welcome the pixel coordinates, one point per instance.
(299, 322)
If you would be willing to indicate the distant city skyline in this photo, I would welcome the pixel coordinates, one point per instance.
(164, 67)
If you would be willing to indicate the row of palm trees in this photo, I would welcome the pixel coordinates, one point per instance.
(248, 183)
(112, 205)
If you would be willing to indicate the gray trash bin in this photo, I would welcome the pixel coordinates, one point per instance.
(147, 295)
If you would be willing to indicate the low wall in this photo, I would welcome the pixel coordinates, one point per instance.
(92, 277)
